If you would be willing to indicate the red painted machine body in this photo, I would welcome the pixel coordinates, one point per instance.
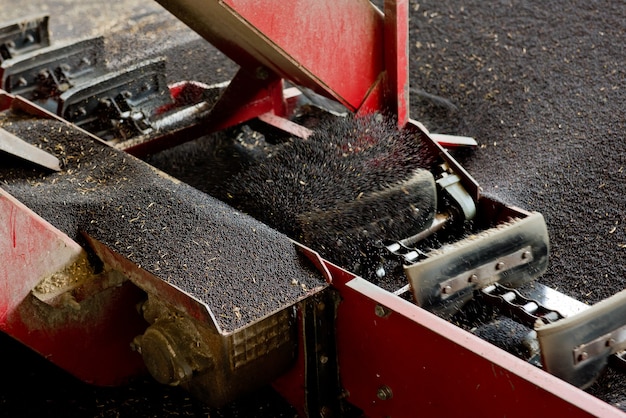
(403, 362)
(88, 336)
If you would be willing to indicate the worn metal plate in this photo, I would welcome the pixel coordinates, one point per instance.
(15, 146)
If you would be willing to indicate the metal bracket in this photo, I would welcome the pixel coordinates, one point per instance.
(485, 274)
(17, 147)
(118, 104)
(611, 343)
(23, 36)
(44, 74)
(512, 254)
(450, 182)
(578, 348)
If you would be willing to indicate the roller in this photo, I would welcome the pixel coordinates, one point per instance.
(352, 184)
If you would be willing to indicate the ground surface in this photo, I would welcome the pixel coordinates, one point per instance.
(540, 85)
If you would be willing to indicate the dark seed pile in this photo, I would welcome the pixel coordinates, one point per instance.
(543, 92)
(351, 184)
(241, 268)
(542, 87)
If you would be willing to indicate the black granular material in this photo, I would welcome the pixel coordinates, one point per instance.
(239, 267)
(542, 87)
(344, 161)
(544, 94)
(352, 228)
(505, 333)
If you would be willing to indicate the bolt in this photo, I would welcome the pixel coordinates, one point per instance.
(472, 279)
(262, 73)
(583, 356)
(325, 412)
(86, 61)
(525, 255)
(381, 311)
(321, 306)
(384, 393)
(610, 342)
(164, 358)
(22, 82)
(30, 38)
(323, 359)
(446, 290)
(500, 265)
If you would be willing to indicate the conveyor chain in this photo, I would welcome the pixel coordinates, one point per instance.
(514, 304)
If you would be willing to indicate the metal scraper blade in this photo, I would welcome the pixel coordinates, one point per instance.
(17, 147)
(578, 348)
(511, 254)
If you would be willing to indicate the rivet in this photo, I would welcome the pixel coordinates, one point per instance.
(384, 393)
(262, 73)
(381, 311)
(500, 265)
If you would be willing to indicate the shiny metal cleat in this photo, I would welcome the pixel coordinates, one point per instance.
(511, 254)
(578, 348)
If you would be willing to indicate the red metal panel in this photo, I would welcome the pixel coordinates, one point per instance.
(426, 366)
(92, 342)
(5, 100)
(338, 42)
(90, 338)
(334, 47)
(30, 249)
(397, 58)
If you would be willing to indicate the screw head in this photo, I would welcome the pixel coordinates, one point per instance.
(381, 311)
(262, 73)
(384, 393)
